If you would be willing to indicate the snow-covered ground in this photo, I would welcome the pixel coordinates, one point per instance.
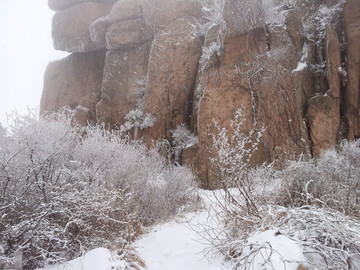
(173, 245)
(177, 245)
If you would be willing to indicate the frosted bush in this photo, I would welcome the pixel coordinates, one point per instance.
(181, 139)
(232, 150)
(322, 239)
(66, 189)
(137, 119)
(331, 181)
(315, 203)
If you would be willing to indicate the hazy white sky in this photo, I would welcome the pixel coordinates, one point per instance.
(25, 50)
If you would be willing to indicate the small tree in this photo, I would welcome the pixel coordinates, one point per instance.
(137, 119)
(181, 139)
(232, 152)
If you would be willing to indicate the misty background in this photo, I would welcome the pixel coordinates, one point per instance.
(25, 50)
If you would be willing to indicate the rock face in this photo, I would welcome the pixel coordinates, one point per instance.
(171, 78)
(58, 5)
(127, 34)
(123, 85)
(74, 82)
(352, 94)
(286, 65)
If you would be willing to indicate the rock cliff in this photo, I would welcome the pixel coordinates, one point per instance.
(291, 66)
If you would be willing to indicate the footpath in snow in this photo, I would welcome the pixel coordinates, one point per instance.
(174, 245)
(177, 246)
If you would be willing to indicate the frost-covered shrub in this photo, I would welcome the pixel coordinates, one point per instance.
(66, 189)
(331, 181)
(314, 203)
(232, 149)
(181, 139)
(216, 25)
(137, 119)
(328, 238)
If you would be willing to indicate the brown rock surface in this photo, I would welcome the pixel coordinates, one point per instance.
(123, 85)
(243, 16)
(160, 13)
(323, 114)
(324, 118)
(255, 72)
(98, 31)
(70, 27)
(352, 94)
(131, 30)
(127, 34)
(58, 5)
(125, 10)
(74, 82)
(333, 57)
(173, 65)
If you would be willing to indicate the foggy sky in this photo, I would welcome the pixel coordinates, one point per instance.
(25, 50)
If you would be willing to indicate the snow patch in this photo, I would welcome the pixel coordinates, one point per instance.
(299, 67)
(177, 246)
(270, 250)
(96, 259)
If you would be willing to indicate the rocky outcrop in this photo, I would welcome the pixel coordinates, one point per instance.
(287, 66)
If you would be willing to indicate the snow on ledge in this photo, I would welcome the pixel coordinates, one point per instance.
(299, 67)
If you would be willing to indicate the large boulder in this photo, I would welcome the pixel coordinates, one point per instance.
(126, 26)
(352, 94)
(70, 27)
(74, 82)
(182, 63)
(58, 5)
(171, 78)
(123, 85)
(125, 10)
